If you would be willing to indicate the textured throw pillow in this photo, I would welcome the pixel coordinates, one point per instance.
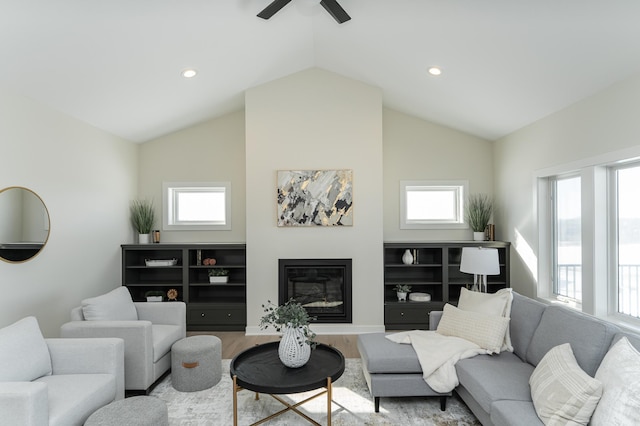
(619, 373)
(562, 393)
(486, 331)
(24, 355)
(498, 303)
(113, 306)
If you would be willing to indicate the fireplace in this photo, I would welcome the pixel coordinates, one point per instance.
(322, 286)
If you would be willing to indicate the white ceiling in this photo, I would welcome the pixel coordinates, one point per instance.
(506, 63)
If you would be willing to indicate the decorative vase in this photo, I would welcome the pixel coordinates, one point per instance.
(402, 297)
(407, 257)
(143, 238)
(478, 236)
(293, 350)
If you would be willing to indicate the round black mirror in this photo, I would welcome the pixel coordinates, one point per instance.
(24, 224)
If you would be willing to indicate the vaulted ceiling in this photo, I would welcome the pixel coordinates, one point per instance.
(117, 64)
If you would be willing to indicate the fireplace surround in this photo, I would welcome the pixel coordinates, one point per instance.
(322, 286)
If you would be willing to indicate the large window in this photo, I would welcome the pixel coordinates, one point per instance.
(432, 204)
(567, 237)
(626, 246)
(197, 205)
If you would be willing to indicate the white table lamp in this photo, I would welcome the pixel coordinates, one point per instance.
(480, 262)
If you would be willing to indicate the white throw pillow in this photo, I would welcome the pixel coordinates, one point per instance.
(24, 355)
(498, 303)
(116, 305)
(486, 331)
(619, 373)
(562, 393)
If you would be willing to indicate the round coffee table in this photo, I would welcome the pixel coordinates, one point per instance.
(260, 370)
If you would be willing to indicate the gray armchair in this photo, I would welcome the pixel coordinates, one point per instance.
(56, 382)
(148, 329)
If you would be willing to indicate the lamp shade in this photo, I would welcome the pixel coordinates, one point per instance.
(480, 261)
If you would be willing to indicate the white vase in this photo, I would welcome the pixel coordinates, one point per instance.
(478, 236)
(407, 257)
(293, 350)
(143, 238)
(402, 297)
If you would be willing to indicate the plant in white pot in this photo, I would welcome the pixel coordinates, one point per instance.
(292, 319)
(401, 291)
(478, 213)
(143, 217)
(218, 275)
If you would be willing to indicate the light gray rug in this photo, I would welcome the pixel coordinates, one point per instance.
(352, 405)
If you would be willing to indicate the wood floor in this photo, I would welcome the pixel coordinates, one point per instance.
(234, 342)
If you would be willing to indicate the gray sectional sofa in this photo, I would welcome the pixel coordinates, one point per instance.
(496, 387)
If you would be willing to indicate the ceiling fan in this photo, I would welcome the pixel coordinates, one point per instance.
(331, 6)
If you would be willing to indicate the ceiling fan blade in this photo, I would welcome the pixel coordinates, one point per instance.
(335, 10)
(274, 7)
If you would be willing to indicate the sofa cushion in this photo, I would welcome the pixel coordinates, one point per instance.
(73, 397)
(164, 336)
(498, 303)
(589, 337)
(619, 373)
(381, 355)
(116, 305)
(525, 317)
(562, 393)
(24, 355)
(490, 378)
(509, 413)
(486, 331)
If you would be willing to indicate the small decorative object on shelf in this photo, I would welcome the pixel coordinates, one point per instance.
(478, 213)
(292, 319)
(154, 296)
(156, 236)
(420, 297)
(218, 275)
(401, 291)
(172, 294)
(407, 257)
(209, 262)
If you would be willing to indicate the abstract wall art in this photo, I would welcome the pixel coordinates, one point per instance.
(315, 198)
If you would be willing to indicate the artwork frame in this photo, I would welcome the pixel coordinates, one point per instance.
(307, 198)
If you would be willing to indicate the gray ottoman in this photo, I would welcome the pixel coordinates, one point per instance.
(135, 411)
(196, 363)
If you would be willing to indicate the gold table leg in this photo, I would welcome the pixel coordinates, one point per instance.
(235, 401)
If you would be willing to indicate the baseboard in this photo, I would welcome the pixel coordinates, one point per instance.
(334, 329)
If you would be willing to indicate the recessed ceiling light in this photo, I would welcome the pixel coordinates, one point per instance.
(435, 71)
(189, 73)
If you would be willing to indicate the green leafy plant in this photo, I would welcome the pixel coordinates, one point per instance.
(291, 314)
(478, 211)
(402, 288)
(218, 272)
(154, 293)
(143, 216)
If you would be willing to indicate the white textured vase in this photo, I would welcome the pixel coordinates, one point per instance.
(293, 350)
(407, 257)
(144, 238)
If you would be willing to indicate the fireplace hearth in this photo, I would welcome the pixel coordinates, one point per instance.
(322, 286)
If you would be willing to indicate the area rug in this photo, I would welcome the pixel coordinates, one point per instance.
(352, 405)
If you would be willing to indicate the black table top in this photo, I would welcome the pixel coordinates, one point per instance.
(259, 369)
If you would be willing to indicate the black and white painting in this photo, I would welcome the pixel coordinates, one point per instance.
(315, 198)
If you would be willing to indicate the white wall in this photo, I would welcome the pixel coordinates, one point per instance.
(86, 178)
(605, 122)
(211, 151)
(315, 120)
(415, 149)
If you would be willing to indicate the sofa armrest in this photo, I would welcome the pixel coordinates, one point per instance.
(434, 319)
(24, 403)
(168, 313)
(89, 356)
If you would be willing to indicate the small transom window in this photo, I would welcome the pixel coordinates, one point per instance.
(197, 205)
(432, 204)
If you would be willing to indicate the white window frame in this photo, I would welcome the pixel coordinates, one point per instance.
(598, 277)
(459, 187)
(170, 192)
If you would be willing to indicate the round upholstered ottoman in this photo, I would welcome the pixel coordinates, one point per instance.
(196, 363)
(134, 411)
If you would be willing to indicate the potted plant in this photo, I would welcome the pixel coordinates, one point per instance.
(401, 291)
(292, 319)
(154, 296)
(218, 275)
(478, 213)
(143, 217)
